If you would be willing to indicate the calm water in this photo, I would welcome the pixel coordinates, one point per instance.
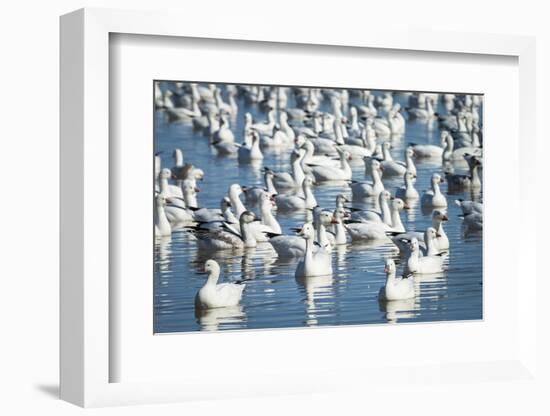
(273, 297)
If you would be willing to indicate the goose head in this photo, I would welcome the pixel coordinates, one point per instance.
(397, 204)
(409, 152)
(266, 200)
(384, 196)
(247, 217)
(307, 231)
(198, 174)
(413, 245)
(439, 215)
(437, 179)
(235, 190)
(307, 183)
(430, 234)
(340, 199)
(161, 200)
(409, 176)
(325, 218)
(247, 119)
(188, 188)
(389, 267)
(211, 266)
(300, 140)
(165, 174)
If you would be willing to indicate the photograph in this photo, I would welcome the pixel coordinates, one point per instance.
(287, 206)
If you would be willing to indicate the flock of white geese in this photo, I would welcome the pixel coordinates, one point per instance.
(322, 145)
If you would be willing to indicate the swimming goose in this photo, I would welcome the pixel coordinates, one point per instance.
(168, 190)
(422, 114)
(427, 151)
(471, 181)
(397, 168)
(422, 265)
(339, 233)
(450, 154)
(315, 262)
(226, 238)
(433, 197)
(310, 158)
(296, 202)
(407, 192)
(370, 215)
(162, 225)
(214, 295)
(441, 242)
(252, 152)
(329, 173)
(224, 133)
(253, 194)
(372, 230)
(369, 189)
(396, 288)
(285, 180)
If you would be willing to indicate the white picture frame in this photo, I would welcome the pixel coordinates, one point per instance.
(85, 265)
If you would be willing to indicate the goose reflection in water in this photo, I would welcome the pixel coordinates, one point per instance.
(229, 317)
(315, 289)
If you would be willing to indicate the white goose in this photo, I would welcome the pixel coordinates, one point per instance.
(395, 288)
(168, 190)
(407, 192)
(297, 202)
(315, 262)
(375, 230)
(162, 225)
(339, 235)
(422, 265)
(285, 180)
(310, 158)
(397, 168)
(329, 173)
(291, 246)
(268, 225)
(369, 215)
(224, 133)
(433, 197)
(214, 295)
(369, 189)
(252, 152)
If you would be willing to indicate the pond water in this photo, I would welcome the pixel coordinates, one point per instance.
(274, 298)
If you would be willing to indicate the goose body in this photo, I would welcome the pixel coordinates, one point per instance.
(315, 262)
(329, 173)
(407, 192)
(369, 189)
(214, 295)
(396, 288)
(287, 202)
(433, 197)
(422, 265)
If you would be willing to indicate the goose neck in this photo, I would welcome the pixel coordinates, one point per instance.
(213, 277)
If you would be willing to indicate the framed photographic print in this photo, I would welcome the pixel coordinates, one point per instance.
(301, 214)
